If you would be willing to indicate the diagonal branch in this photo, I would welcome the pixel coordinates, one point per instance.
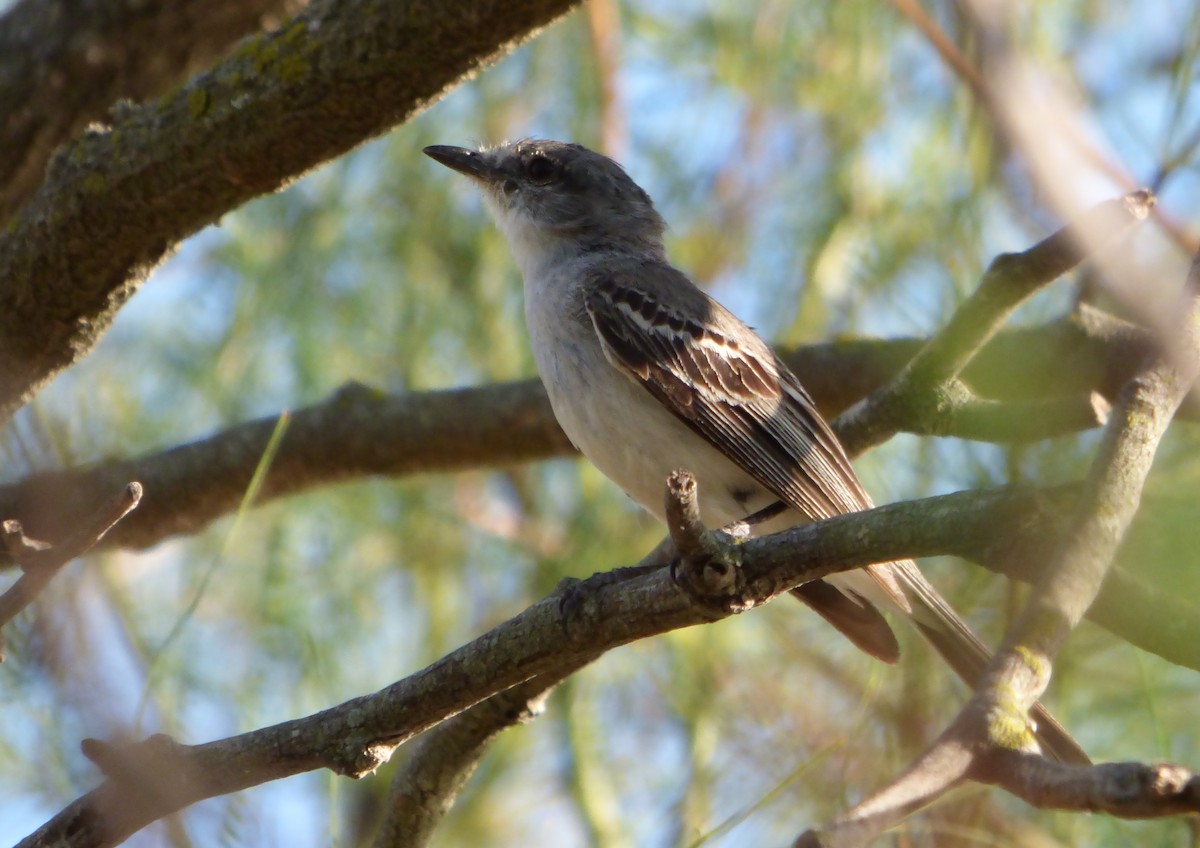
(40, 562)
(116, 201)
(992, 732)
(994, 100)
(151, 779)
(928, 386)
(443, 759)
(64, 64)
(550, 639)
(1110, 501)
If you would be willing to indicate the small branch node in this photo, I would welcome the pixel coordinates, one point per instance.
(1101, 408)
(364, 762)
(707, 568)
(19, 546)
(1139, 203)
(40, 561)
(683, 514)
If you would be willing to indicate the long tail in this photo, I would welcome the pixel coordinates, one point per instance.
(963, 651)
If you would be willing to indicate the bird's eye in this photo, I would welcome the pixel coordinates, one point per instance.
(540, 169)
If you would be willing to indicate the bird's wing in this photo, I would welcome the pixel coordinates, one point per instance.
(734, 392)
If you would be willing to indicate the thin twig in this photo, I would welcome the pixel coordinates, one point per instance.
(1125, 790)
(919, 391)
(991, 739)
(993, 106)
(946, 49)
(40, 562)
(707, 568)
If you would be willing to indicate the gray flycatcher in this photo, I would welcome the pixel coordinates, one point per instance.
(646, 374)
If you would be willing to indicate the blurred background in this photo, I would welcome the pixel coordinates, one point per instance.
(824, 173)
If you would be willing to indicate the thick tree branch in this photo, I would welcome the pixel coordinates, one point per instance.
(65, 63)
(149, 780)
(357, 432)
(116, 201)
(360, 432)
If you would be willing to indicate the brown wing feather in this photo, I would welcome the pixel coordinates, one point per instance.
(743, 400)
(740, 398)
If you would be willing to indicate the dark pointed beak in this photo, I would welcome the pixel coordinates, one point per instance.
(469, 162)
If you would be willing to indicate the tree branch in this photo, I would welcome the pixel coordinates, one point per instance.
(993, 731)
(443, 759)
(982, 85)
(149, 780)
(1125, 790)
(360, 432)
(1110, 501)
(926, 387)
(39, 562)
(116, 201)
(962, 413)
(64, 64)
(356, 432)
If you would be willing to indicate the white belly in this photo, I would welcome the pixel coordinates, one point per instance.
(634, 440)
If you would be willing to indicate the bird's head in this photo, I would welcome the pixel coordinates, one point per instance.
(554, 197)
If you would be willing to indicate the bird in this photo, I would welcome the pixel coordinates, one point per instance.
(646, 373)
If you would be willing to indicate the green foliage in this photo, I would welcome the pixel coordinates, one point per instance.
(822, 173)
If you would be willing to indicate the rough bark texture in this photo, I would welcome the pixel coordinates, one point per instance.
(64, 63)
(117, 200)
(148, 780)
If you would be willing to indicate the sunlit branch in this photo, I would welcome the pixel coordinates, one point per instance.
(39, 562)
(917, 393)
(60, 70)
(1051, 370)
(550, 639)
(116, 200)
(991, 739)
